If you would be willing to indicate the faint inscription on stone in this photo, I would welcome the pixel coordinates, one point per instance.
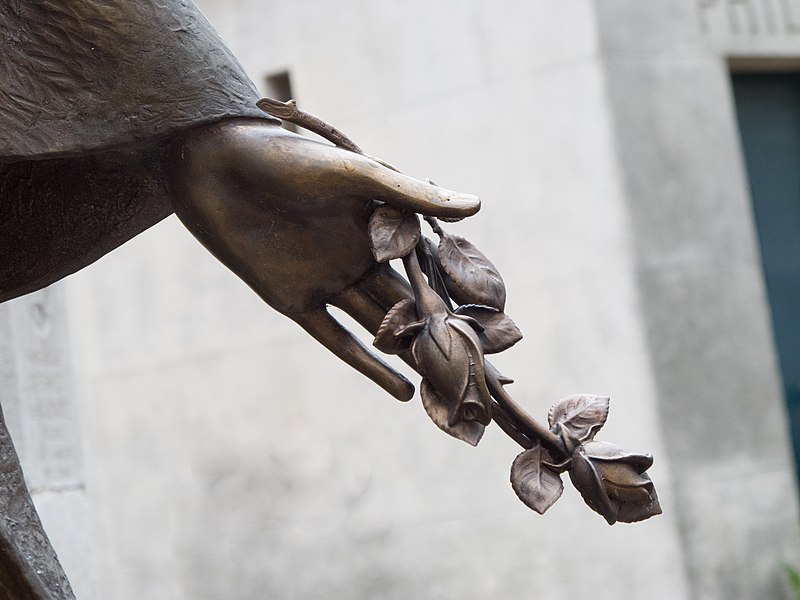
(749, 17)
(38, 395)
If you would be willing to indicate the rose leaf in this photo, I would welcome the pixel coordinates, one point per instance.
(392, 233)
(471, 277)
(499, 331)
(582, 414)
(536, 485)
(399, 316)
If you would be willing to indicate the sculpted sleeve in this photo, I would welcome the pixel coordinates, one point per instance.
(80, 75)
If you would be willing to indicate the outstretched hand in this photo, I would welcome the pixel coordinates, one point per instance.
(289, 216)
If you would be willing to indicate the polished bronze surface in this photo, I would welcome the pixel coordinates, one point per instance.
(87, 162)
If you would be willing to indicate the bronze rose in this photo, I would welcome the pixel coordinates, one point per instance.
(613, 482)
(448, 354)
(462, 393)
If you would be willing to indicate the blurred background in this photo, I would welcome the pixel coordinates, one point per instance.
(638, 166)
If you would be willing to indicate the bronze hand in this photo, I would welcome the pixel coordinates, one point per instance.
(289, 216)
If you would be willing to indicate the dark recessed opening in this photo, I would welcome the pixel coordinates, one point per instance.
(279, 87)
(768, 111)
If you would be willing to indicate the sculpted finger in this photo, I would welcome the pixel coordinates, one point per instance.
(330, 333)
(368, 312)
(386, 287)
(412, 194)
(361, 307)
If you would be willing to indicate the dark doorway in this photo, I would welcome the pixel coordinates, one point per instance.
(768, 109)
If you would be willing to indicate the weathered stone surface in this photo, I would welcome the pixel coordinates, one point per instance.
(700, 284)
(36, 390)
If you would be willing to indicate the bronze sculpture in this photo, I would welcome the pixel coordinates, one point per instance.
(115, 114)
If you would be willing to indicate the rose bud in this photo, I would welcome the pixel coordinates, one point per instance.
(613, 482)
(448, 353)
(449, 356)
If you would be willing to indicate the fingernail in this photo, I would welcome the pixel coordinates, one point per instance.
(464, 204)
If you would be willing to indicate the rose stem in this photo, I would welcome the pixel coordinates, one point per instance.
(509, 428)
(428, 301)
(434, 225)
(527, 424)
(288, 111)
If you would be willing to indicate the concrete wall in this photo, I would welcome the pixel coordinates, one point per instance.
(220, 467)
(700, 282)
(39, 403)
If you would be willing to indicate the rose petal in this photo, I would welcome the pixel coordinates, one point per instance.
(588, 482)
(441, 335)
(637, 504)
(477, 394)
(449, 373)
(608, 451)
(467, 431)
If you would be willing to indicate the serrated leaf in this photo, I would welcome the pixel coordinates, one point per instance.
(499, 331)
(399, 317)
(392, 233)
(471, 277)
(536, 485)
(438, 410)
(582, 414)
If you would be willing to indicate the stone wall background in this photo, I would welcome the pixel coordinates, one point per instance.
(37, 392)
(600, 137)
